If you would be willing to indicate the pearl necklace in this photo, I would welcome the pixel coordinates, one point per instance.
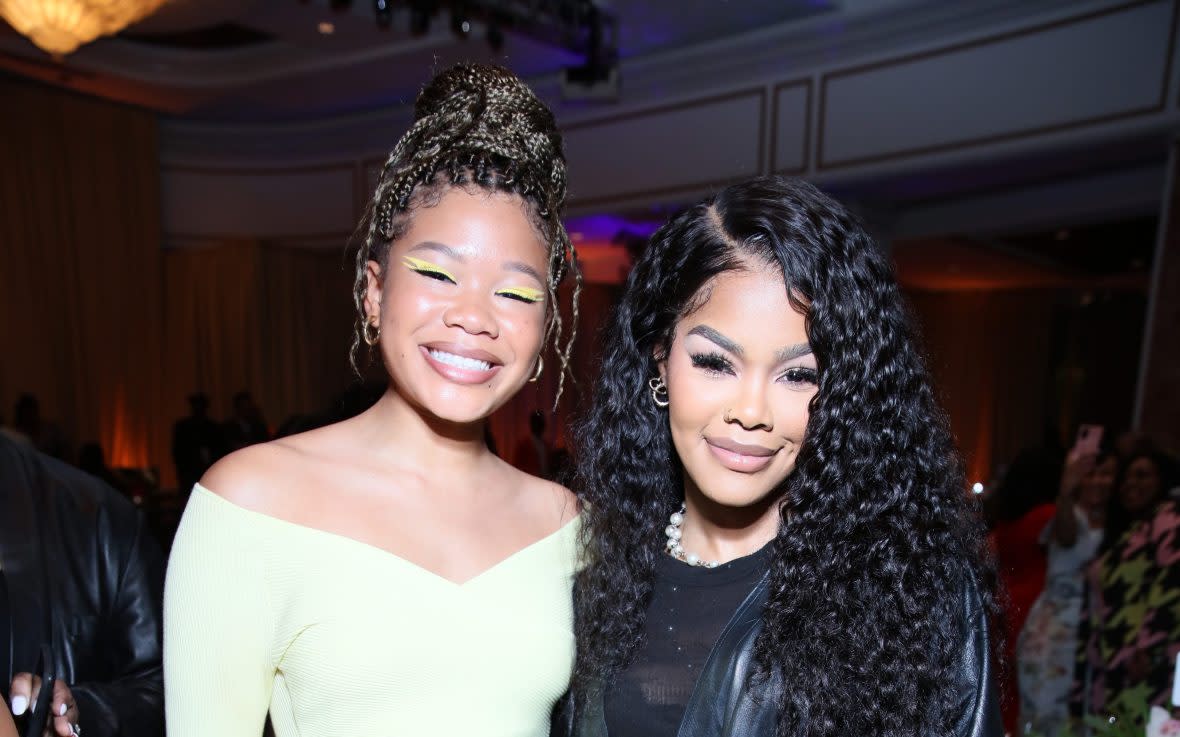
(675, 549)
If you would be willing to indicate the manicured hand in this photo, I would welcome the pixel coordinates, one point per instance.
(24, 692)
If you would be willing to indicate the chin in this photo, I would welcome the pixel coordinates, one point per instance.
(458, 403)
(460, 410)
(736, 493)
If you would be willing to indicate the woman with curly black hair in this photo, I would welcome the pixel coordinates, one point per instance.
(779, 538)
(388, 574)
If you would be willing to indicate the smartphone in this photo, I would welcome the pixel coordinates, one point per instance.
(1089, 440)
(39, 714)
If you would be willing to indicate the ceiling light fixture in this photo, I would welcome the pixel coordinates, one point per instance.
(460, 22)
(384, 13)
(325, 27)
(61, 26)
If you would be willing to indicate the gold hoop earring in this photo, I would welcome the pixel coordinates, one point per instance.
(659, 391)
(372, 337)
(540, 368)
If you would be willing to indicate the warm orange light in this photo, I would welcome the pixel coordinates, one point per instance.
(61, 26)
(128, 445)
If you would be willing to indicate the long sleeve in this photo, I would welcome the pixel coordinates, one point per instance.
(218, 626)
(132, 703)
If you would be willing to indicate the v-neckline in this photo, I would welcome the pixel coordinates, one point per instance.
(384, 552)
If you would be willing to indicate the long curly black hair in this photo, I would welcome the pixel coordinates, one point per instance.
(878, 532)
(475, 125)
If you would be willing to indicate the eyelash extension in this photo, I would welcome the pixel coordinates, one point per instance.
(522, 294)
(801, 375)
(428, 269)
(714, 363)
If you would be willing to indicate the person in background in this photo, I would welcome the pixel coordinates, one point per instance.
(533, 454)
(1023, 507)
(246, 426)
(1131, 630)
(92, 460)
(1047, 644)
(197, 443)
(27, 423)
(84, 578)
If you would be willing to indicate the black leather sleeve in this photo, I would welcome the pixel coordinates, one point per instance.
(561, 721)
(980, 716)
(131, 703)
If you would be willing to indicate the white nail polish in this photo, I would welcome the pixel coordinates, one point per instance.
(19, 704)
(62, 711)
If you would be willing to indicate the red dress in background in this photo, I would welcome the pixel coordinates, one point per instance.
(1021, 561)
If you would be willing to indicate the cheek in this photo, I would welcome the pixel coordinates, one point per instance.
(526, 327)
(695, 398)
(794, 409)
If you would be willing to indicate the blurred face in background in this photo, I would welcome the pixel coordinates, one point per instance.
(1098, 483)
(1141, 486)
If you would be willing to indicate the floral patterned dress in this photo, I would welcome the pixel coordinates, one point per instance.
(1048, 642)
(1134, 618)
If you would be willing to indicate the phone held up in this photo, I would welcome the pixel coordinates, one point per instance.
(1088, 441)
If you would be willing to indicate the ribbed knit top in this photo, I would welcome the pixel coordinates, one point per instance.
(336, 637)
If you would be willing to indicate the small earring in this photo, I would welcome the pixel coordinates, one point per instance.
(371, 337)
(540, 368)
(659, 391)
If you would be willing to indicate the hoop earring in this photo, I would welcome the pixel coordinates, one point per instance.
(371, 338)
(540, 368)
(659, 391)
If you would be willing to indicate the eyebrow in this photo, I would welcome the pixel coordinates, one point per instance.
(718, 339)
(523, 268)
(454, 253)
(788, 353)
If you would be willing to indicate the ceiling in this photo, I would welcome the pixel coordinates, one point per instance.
(268, 61)
(264, 61)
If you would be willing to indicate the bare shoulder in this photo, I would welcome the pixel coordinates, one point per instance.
(553, 501)
(252, 476)
(262, 476)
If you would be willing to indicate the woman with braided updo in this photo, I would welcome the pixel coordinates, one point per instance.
(780, 540)
(388, 574)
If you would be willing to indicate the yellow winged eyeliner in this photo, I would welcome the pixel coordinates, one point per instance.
(425, 267)
(526, 293)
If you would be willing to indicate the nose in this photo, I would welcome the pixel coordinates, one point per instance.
(751, 406)
(472, 316)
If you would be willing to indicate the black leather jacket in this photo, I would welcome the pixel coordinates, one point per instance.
(723, 704)
(84, 577)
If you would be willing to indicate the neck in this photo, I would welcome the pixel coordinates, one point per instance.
(722, 533)
(399, 432)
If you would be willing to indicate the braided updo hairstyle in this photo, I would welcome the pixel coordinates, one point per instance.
(475, 125)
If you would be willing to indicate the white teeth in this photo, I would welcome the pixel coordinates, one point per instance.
(463, 362)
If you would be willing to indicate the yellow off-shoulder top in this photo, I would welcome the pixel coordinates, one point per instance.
(337, 638)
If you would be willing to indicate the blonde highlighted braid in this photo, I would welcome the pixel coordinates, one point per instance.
(476, 125)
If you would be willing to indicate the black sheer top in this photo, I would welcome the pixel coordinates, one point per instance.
(689, 608)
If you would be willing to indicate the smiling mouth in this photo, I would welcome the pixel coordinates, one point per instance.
(462, 362)
(739, 456)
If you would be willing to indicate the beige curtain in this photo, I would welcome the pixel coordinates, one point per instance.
(80, 301)
(990, 356)
(245, 315)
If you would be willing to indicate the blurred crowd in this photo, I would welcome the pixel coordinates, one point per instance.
(1086, 545)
